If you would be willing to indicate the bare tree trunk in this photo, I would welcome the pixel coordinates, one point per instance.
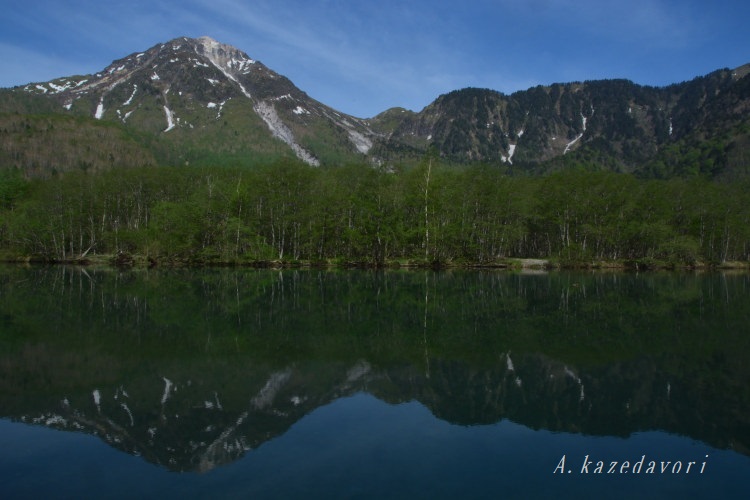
(426, 212)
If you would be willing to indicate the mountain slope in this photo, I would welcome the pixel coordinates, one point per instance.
(204, 96)
(202, 102)
(52, 143)
(622, 125)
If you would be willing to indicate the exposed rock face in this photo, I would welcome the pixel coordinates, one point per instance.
(617, 123)
(199, 95)
(185, 85)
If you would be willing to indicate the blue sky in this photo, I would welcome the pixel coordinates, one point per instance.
(362, 57)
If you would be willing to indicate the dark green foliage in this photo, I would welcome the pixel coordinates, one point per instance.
(695, 128)
(682, 130)
(41, 145)
(432, 213)
(12, 187)
(18, 102)
(439, 338)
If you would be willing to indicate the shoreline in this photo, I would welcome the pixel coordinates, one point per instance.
(511, 264)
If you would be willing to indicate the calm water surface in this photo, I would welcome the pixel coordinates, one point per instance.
(279, 384)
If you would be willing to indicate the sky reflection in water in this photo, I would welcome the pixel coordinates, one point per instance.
(306, 384)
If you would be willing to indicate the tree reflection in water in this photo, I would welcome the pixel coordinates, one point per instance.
(191, 369)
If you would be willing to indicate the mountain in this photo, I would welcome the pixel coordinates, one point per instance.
(191, 369)
(202, 102)
(195, 424)
(196, 98)
(613, 123)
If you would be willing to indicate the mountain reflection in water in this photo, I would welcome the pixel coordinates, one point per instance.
(192, 369)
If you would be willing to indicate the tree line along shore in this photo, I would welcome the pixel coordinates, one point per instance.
(287, 214)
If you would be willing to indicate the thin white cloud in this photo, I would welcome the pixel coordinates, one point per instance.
(364, 56)
(322, 46)
(314, 41)
(634, 22)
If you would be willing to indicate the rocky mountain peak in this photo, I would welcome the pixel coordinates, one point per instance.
(222, 55)
(190, 89)
(190, 84)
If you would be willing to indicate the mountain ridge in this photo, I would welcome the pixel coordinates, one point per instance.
(191, 80)
(631, 123)
(201, 99)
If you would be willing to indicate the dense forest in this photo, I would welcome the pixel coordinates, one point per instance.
(431, 214)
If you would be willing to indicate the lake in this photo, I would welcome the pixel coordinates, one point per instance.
(237, 383)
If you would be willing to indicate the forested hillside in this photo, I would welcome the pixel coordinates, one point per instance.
(191, 152)
(428, 215)
(698, 127)
(196, 101)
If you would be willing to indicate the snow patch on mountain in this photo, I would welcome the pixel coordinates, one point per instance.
(279, 130)
(265, 397)
(584, 121)
(358, 371)
(198, 63)
(156, 67)
(219, 55)
(167, 388)
(569, 373)
(511, 152)
(97, 399)
(60, 88)
(99, 109)
(130, 414)
(130, 99)
(223, 446)
(572, 143)
(170, 119)
(213, 105)
(360, 141)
